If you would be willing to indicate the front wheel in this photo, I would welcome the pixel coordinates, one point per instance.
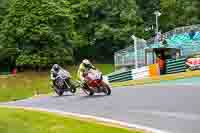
(107, 89)
(73, 90)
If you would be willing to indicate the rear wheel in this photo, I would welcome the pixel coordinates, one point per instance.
(88, 92)
(59, 92)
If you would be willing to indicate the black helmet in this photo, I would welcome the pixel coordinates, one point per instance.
(56, 67)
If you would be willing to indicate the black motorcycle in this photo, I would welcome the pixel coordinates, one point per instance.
(62, 83)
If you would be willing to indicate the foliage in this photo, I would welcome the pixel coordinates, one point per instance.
(146, 11)
(60, 31)
(106, 26)
(41, 29)
(179, 13)
(3, 9)
(8, 54)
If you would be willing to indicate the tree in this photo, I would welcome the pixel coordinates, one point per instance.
(105, 25)
(41, 29)
(146, 9)
(61, 31)
(177, 13)
(3, 9)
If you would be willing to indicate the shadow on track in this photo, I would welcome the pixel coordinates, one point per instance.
(64, 95)
(92, 97)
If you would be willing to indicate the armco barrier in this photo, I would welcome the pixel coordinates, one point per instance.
(123, 76)
(133, 74)
(140, 73)
(175, 65)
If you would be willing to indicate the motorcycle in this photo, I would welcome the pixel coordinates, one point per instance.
(95, 83)
(62, 83)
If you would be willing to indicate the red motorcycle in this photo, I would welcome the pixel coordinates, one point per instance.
(95, 83)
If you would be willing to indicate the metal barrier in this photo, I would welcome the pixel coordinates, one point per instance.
(119, 77)
(133, 74)
(175, 65)
(140, 73)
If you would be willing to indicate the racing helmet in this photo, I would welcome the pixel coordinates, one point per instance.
(56, 67)
(86, 62)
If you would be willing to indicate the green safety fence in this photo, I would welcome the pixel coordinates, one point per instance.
(121, 76)
(175, 65)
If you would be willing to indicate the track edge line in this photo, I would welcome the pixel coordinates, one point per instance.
(100, 119)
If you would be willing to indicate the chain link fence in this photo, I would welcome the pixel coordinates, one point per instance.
(126, 57)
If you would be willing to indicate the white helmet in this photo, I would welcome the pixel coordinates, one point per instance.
(86, 62)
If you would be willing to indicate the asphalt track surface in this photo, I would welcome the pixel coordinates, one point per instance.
(170, 107)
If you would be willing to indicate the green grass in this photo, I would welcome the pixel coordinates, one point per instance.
(24, 121)
(26, 84)
(23, 85)
(105, 68)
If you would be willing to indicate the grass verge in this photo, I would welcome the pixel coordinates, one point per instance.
(23, 85)
(158, 79)
(26, 121)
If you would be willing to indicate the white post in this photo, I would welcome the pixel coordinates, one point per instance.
(158, 14)
(135, 47)
(135, 50)
(156, 24)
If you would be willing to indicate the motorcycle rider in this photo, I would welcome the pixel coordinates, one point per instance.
(56, 69)
(82, 70)
(54, 72)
